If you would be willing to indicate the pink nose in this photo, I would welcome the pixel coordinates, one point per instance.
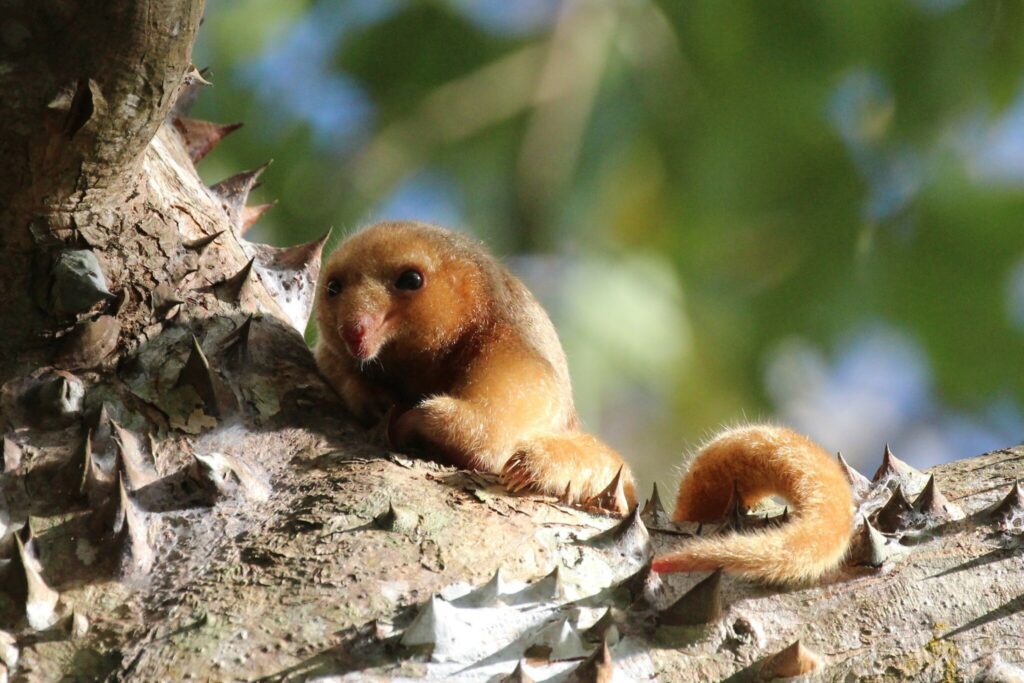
(354, 334)
(360, 331)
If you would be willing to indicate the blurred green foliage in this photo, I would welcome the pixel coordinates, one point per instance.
(707, 181)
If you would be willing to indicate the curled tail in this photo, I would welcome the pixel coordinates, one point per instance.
(766, 460)
(573, 462)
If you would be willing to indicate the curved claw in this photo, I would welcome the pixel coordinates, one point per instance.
(515, 475)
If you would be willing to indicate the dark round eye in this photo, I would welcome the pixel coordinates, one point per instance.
(409, 279)
(333, 288)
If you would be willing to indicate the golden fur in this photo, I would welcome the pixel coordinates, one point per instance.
(468, 366)
(766, 460)
(470, 369)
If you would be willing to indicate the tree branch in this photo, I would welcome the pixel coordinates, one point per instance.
(85, 87)
(88, 86)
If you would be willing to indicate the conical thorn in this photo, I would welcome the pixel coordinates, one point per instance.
(559, 641)
(27, 532)
(896, 514)
(101, 427)
(891, 467)
(131, 464)
(193, 81)
(1010, 508)
(545, 590)
(644, 587)
(198, 374)
(654, 512)
(252, 214)
(164, 300)
(859, 484)
(130, 535)
(28, 584)
(434, 625)
(735, 512)
(289, 275)
(398, 519)
(234, 192)
(81, 107)
(200, 243)
(629, 537)
(795, 660)
(777, 520)
(932, 504)
(197, 75)
(89, 482)
(298, 257)
(486, 595)
(700, 605)
(613, 497)
(236, 344)
(870, 548)
(551, 587)
(233, 289)
(201, 137)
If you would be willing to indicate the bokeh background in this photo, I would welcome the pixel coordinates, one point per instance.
(734, 210)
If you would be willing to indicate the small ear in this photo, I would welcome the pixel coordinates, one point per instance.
(467, 280)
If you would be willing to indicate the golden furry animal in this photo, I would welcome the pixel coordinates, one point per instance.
(759, 461)
(423, 324)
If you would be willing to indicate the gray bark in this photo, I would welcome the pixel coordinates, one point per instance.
(183, 497)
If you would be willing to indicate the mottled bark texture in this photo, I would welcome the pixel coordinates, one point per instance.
(85, 86)
(182, 496)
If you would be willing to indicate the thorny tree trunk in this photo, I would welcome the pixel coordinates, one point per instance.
(183, 497)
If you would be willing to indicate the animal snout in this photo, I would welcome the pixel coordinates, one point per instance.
(362, 335)
(354, 334)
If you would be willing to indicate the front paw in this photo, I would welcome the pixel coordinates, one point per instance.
(403, 428)
(367, 404)
(422, 426)
(439, 429)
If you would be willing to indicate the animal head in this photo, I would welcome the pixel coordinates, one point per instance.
(407, 287)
